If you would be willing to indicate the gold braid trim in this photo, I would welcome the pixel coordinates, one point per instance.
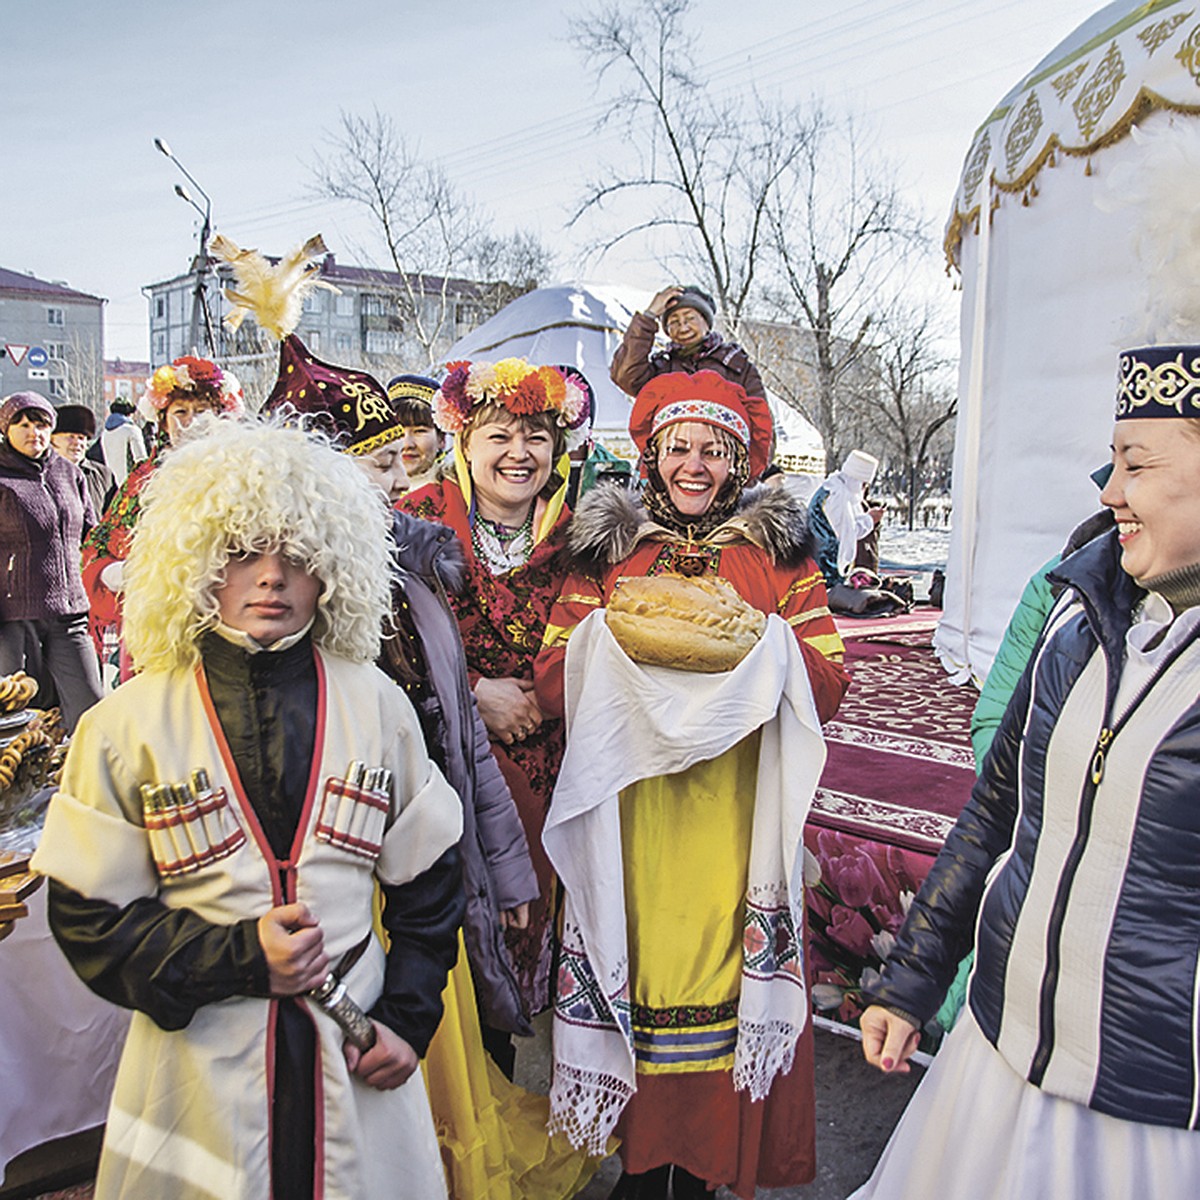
(373, 443)
(1144, 103)
(800, 585)
(804, 617)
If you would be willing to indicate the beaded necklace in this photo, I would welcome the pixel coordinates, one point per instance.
(503, 547)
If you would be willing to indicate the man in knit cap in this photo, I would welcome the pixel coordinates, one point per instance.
(687, 315)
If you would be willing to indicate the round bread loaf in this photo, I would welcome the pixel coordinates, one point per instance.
(677, 621)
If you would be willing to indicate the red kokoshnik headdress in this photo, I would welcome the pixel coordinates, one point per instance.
(710, 399)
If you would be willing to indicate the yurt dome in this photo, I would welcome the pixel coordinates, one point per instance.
(1050, 280)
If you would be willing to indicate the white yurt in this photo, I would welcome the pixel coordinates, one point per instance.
(1050, 286)
(580, 325)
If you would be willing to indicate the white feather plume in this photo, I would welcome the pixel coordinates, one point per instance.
(273, 293)
(1162, 185)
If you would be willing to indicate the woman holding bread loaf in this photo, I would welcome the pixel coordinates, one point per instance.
(512, 425)
(681, 1014)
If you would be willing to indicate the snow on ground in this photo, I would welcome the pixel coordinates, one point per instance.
(920, 550)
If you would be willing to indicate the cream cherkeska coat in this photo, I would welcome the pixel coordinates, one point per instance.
(191, 1109)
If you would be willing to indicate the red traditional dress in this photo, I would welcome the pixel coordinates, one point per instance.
(502, 619)
(108, 542)
(686, 844)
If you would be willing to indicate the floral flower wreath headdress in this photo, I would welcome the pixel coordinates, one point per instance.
(191, 378)
(523, 390)
(517, 386)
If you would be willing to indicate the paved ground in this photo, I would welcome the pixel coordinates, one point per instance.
(856, 1110)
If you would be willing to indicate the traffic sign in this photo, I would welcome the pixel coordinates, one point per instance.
(37, 356)
(38, 373)
(16, 353)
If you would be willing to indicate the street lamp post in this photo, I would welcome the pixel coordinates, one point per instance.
(200, 310)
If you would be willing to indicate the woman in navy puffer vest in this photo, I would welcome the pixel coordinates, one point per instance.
(1074, 1074)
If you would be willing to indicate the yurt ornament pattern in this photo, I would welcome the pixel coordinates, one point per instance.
(1078, 101)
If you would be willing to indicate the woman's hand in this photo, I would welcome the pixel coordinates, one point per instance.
(888, 1040)
(294, 946)
(508, 708)
(387, 1064)
(659, 304)
(515, 918)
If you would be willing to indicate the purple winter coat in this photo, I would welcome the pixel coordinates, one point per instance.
(497, 871)
(44, 512)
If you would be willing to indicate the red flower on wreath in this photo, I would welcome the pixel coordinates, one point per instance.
(200, 370)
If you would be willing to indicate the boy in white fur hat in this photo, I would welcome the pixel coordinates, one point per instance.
(222, 822)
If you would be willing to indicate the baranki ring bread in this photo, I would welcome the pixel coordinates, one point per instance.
(677, 621)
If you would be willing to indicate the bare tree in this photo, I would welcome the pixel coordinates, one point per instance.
(841, 233)
(706, 169)
(81, 369)
(914, 402)
(436, 240)
(505, 268)
(776, 208)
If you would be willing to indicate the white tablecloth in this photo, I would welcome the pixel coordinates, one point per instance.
(59, 1043)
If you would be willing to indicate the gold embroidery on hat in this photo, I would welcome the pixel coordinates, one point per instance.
(370, 407)
(1167, 384)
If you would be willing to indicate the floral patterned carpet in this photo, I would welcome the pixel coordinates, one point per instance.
(898, 773)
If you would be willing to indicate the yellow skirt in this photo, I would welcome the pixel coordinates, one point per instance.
(492, 1133)
(685, 841)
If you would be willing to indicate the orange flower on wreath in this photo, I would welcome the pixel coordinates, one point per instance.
(528, 397)
(555, 387)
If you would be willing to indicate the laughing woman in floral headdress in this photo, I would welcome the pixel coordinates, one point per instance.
(512, 424)
(681, 1015)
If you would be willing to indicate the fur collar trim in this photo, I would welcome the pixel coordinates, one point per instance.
(611, 522)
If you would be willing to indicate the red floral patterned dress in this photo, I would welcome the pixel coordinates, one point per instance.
(108, 542)
(502, 619)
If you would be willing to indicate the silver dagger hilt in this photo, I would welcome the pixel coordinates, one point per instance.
(332, 997)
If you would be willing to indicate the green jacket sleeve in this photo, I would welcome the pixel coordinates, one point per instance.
(1015, 648)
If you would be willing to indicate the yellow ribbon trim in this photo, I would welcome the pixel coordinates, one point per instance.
(804, 617)
(556, 635)
(829, 644)
(546, 513)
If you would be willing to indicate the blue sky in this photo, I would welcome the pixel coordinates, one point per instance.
(244, 93)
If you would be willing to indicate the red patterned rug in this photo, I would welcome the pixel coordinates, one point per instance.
(898, 773)
(900, 764)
